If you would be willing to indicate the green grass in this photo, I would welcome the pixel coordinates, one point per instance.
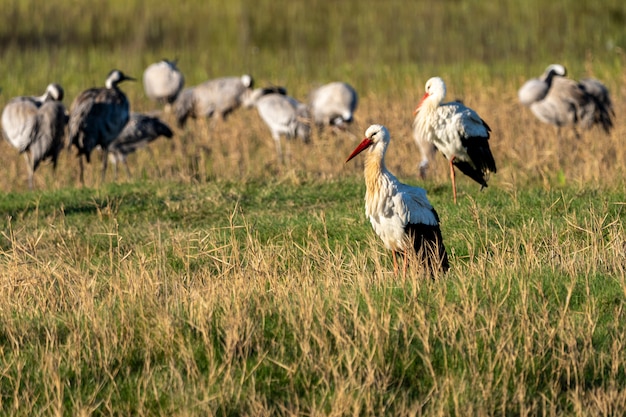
(233, 298)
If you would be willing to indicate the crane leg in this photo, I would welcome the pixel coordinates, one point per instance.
(452, 176)
(127, 169)
(30, 168)
(81, 175)
(105, 161)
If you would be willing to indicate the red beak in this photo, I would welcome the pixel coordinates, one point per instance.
(420, 104)
(367, 142)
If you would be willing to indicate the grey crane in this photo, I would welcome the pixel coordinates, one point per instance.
(333, 104)
(163, 81)
(560, 101)
(97, 117)
(35, 126)
(141, 130)
(283, 115)
(213, 98)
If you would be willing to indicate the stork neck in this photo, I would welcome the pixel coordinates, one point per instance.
(374, 169)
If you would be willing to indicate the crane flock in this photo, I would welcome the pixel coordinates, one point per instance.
(400, 214)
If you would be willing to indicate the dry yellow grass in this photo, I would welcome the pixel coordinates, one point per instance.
(244, 325)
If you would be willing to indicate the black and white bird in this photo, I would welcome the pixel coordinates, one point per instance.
(401, 215)
(97, 117)
(214, 98)
(283, 115)
(35, 126)
(139, 132)
(457, 132)
(333, 104)
(163, 81)
(560, 101)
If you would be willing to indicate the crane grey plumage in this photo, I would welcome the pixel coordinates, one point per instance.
(139, 132)
(560, 101)
(35, 126)
(97, 117)
(163, 81)
(283, 115)
(213, 98)
(333, 104)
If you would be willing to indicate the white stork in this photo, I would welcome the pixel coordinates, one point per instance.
(457, 131)
(401, 215)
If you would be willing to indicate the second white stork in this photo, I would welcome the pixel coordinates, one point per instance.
(456, 131)
(401, 215)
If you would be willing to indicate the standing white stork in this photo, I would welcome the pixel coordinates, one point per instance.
(141, 130)
(333, 104)
(283, 115)
(35, 126)
(97, 117)
(401, 215)
(560, 101)
(457, 131)
(162, 81)
(213, 98)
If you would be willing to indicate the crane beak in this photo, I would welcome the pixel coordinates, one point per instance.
(420, 104)
(367, 142)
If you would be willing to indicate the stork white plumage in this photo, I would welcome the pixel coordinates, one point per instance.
(457, 132)
(401, 215)
(35, 126)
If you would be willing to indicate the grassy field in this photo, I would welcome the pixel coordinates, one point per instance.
(215, 281)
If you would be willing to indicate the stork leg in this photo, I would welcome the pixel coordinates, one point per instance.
(406, 261)
(452, 176)
(395, 263)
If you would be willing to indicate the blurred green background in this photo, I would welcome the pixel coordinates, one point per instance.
(374, 44)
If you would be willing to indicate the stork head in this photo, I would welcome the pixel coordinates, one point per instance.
(435, 92)
(376, 136)
(115, 77)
